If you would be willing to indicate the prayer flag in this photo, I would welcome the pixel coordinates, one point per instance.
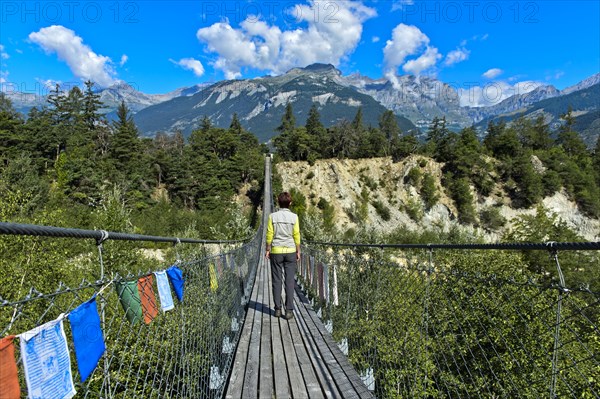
(46, 361)
(9, 377)
(87, 337)
(164, 291)
(176, 276)
(320, 281)
(335, 287)
(214, 284)
(148, 299)
(130, 300)
(326, 282)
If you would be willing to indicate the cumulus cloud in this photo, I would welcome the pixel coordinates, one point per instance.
(456, 56)
(83, 62)
(375, 39)
(191, 65)
(428, 59)
(124, 59)
(406, 41)
(256, 44)
(3, 72)
(400, 4)
(493, 73)
(494, 92)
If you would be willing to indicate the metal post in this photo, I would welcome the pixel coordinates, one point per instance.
(561, 291)
(425, 329)
(99, 242)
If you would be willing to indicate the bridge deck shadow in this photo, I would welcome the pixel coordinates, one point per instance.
(277, 358)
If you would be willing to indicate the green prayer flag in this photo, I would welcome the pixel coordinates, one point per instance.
(129, 297)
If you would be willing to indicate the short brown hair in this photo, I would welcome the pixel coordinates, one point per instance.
(284, 199)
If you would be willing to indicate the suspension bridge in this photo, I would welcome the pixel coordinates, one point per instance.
(371, 320)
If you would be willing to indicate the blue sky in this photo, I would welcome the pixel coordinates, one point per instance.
(158, 46)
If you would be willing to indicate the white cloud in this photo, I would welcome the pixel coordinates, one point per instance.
(124, 59)
(493, 73)
(428, 59)
(3, 72)
(400, 4)
(375, 39)
(191, 65)
(256, 44)
(83, 62)
(50, 84)
(494, 92)
(456, 56)
(408, 40)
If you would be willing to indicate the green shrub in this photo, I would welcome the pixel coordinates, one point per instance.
(414, 177)
(491, 218)
(414, 210)
(369, 182)
(382, 210)
(429, 191)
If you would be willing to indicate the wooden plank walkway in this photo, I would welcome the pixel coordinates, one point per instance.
(277, 358)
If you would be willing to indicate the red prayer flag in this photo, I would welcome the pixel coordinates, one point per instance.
(147, 297)
(9, 378)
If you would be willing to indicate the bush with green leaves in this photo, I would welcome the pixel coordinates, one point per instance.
(382, 210)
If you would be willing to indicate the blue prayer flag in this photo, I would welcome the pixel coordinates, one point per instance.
(46, 361)
(176, 276)
(164, 291)
(87, 337)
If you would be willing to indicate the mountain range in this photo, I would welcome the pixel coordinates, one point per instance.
(416, 100)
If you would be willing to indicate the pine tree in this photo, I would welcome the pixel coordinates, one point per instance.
(125, 145)
(357, 122)
(317, 134)
(436, 134)
(205, 124)
(388, 124)
(235, 127)
(569, 139)
(11, 123)
(91, 106)
(288, 121)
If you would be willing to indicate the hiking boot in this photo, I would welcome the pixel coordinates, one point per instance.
(277, 312)
(289, 315)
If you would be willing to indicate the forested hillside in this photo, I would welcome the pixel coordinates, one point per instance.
(64, 163)
(520, 162)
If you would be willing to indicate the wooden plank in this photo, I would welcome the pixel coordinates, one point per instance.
(250, 389)
(236, 379)
(266, 356)
(326, 382)
(282, 382)
(334, 356)
(293, 367)
(311, 382)
(338, 376)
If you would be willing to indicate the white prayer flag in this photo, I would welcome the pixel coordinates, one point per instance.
(335, 287)
(46, 361)
(164, 291)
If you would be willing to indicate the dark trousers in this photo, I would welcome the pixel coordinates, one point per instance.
(283, 264)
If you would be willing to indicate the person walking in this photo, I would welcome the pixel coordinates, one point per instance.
(283, 250)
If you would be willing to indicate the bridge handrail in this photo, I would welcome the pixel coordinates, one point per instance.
(548, 246)
(99, 235)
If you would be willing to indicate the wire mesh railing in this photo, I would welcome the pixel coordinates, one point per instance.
(186, 351)
(460, 321)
